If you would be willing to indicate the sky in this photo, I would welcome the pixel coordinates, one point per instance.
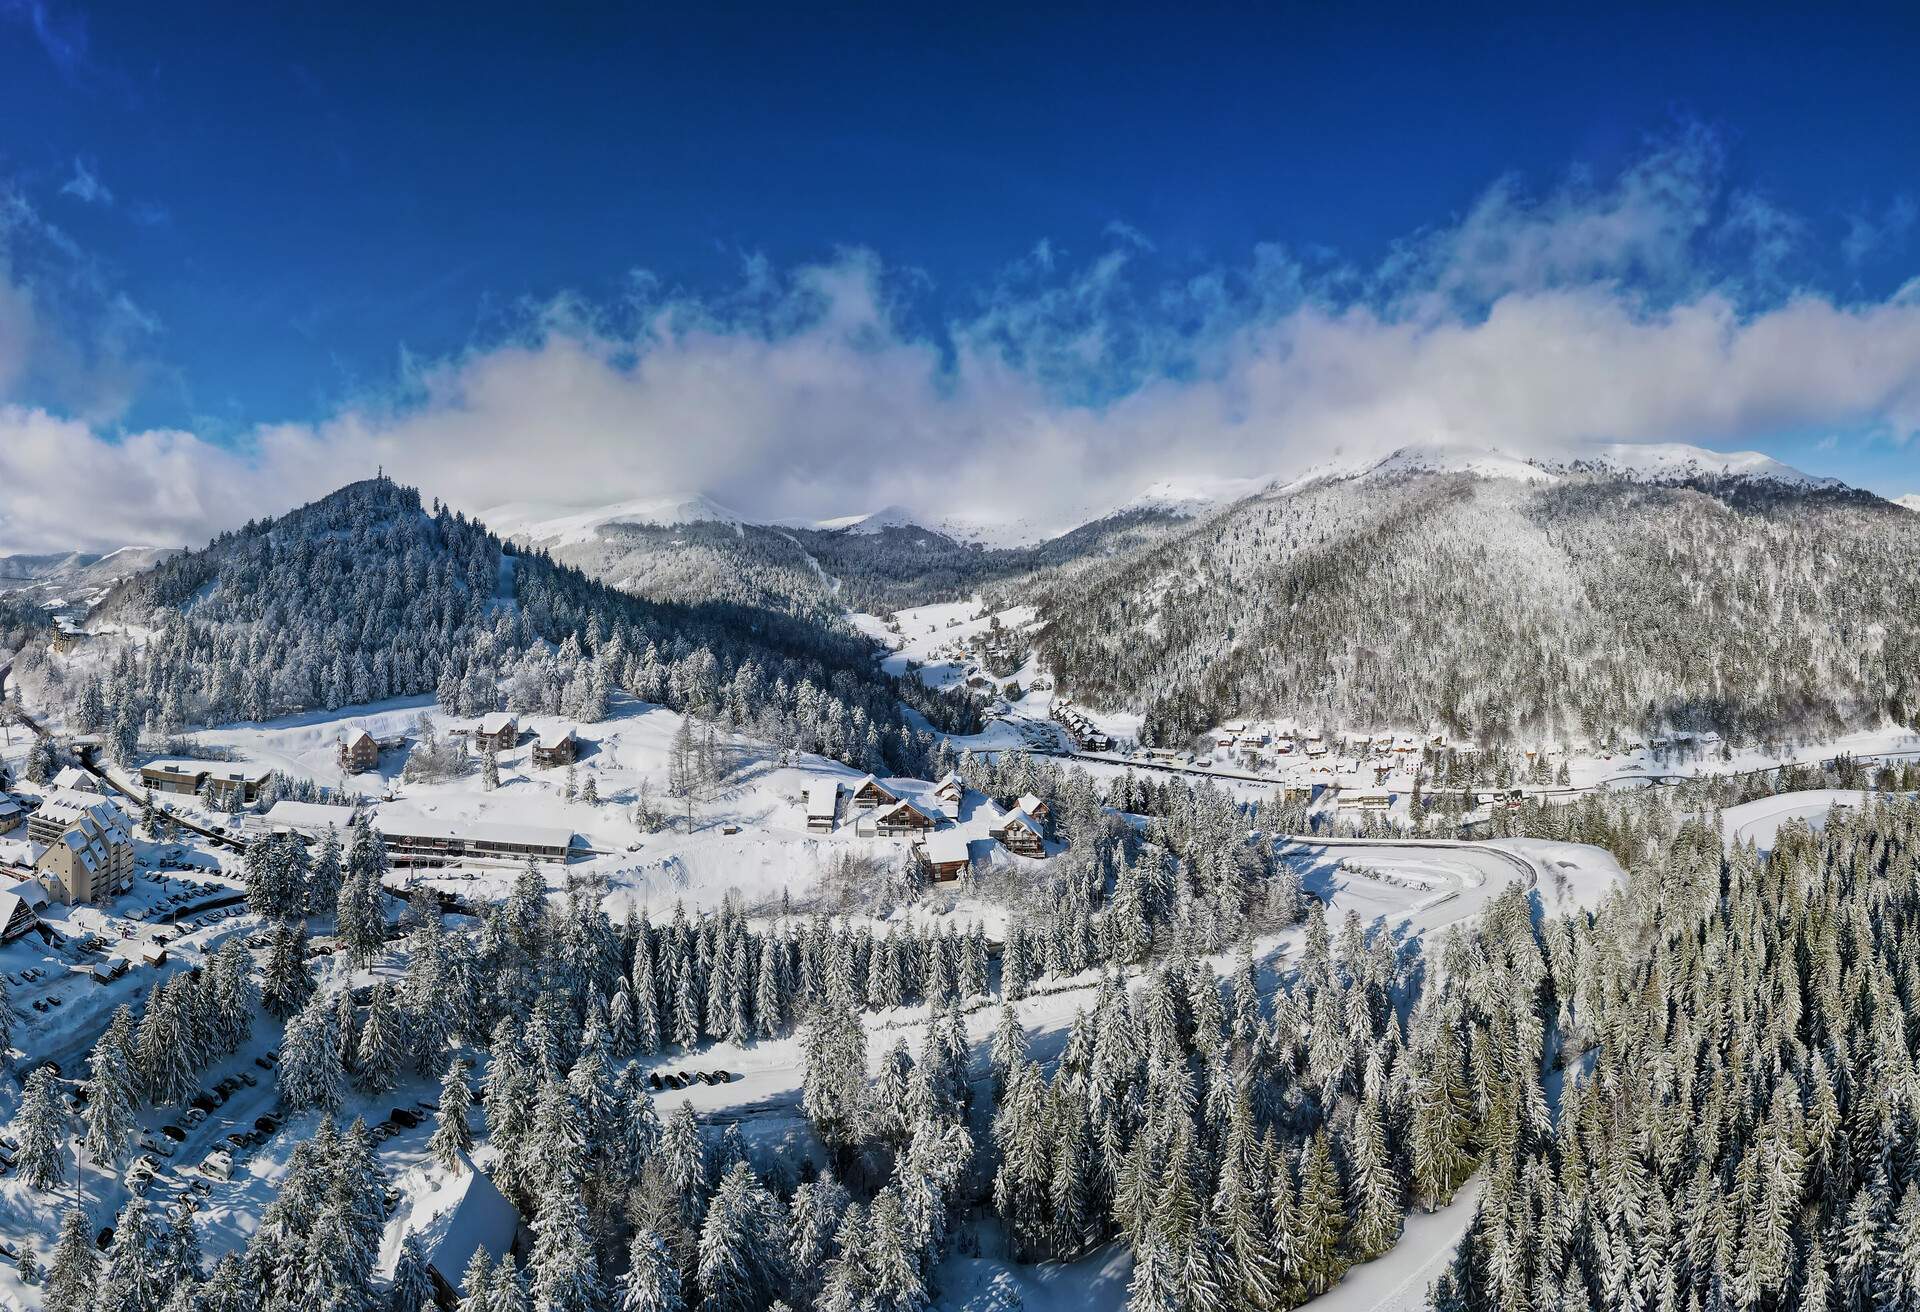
(984, 263)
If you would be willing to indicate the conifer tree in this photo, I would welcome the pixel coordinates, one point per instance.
(43, 1132)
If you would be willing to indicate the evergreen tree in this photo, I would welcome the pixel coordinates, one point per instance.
(43, 1132)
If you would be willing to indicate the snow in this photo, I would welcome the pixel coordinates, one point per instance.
(1911, 501)
(1759, 821)
(1676, 460)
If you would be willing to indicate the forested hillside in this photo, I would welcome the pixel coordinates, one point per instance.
(366, 595)
(1501, 608)
(810, 571)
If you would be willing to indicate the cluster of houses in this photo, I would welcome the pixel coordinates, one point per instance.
(1086, 737)
(875, 810)
(500, 732)
(78, 849)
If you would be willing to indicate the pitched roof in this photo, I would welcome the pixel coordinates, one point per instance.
(823, 799)
(554, 739)
(948, 845)
(454, 1217)
(355, 738)
(1021, 820)
(904, 805)
(1030, 803)
(497, 722)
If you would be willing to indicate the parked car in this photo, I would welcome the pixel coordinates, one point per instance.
(404, 1118)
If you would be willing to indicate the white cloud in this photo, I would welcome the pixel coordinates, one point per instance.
(85, 185)
(1597, 312)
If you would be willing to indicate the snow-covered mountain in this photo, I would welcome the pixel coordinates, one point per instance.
(550, 525)
(1910, 501)
(1621, 587)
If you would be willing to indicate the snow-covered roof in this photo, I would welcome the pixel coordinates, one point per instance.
(397, 825)
(1021, 820)
(73, 779)
(308, 816)
(823, 799)
(1030, 803)
(900, 806)
(11, 905)
(356, 736)
(31, 891)
(948, 845)
(498, 722)
(184, 765)
(454, 1216)
(554, 739)
(8, 806)
(67, 808)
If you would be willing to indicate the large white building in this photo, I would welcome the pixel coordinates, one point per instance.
(88, 844)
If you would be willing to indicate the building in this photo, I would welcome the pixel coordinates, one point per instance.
(307, 819)
(429, 841)
(17, 917)
(73, 779)
(11, 816)
(555, 747)
(948, 793)
(1020, 833)
(359, 752)
(870, 792)
(903, 819)
(91, 860)
(222, 782)
(823, 805)
(499, 732)
(453, 1217)
(1033, 806)
(946, 854)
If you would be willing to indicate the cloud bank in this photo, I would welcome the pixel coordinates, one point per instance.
(1657, 305)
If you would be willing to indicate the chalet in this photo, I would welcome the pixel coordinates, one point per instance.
(556, 747)
(429, 841)
(1284, 747)
(1366, 799)
(1033, 806)
(11, 815)
(948, 794)
(222, 782)
(823, 806)
(1019, 833)
(499, 732)
(17, 917)
(903, 818)
(1316, 747)
(73, 779)
(946, 854)
(359, 752)
(455, 1216)
(870, 792)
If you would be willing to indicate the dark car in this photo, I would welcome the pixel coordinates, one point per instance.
(174, 1133)
(402, 1117)
(266, 1124)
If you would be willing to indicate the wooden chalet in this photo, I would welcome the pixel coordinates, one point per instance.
(498, 732)
(870, 792)
(359, 752)
(823, 806)
(904, 819)
(556, 747)
(946, 854)
(1020, 833)
(1033, 806)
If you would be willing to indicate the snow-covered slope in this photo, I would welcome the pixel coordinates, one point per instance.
(1674, 461)
(1911, 501)
(558, 526)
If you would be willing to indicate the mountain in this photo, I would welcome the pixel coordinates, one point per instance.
(363, 596)
(1911, 501)
(1506, 598)
(547, 525)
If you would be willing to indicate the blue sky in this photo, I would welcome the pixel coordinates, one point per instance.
(292, 237)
